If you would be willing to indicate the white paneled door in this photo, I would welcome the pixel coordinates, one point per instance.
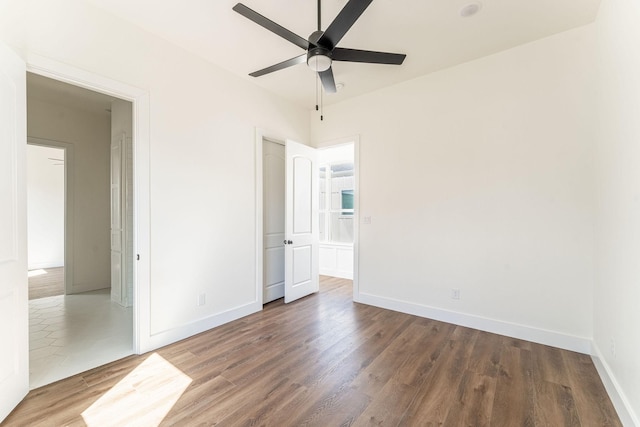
(14, 304)
(301, 222)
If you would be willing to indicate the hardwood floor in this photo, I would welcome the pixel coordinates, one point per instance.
(326, 361)
(47, 285)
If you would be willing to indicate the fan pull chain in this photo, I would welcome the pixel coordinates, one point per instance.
(321, 105)
(317, 79)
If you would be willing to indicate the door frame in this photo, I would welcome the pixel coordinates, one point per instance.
(355, 140)
(141, 155)
(259, 208)
(69, 183)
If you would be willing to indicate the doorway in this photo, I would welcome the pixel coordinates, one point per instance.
(337, 210)
(287, 221)
(90, 324)
(45, 220)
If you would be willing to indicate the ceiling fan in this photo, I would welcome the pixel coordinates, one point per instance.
(321, 47)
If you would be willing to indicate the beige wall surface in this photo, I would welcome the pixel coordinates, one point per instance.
(89, 133)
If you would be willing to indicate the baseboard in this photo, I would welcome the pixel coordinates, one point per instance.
(187, 330)
(337, 273)
(45, 265)
(617, 396)
(514, 330)
(81, 288)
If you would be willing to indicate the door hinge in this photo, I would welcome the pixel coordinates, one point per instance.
(137, 257)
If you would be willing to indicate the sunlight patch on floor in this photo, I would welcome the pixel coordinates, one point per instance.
(34, 273)
(144, 397)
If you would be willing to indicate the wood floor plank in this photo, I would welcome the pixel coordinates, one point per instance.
(436, 394)
(473, 402)
(485, 358)
(592, 403)
(389, 405)
(550, 364)
(419, 364)
(327, 361)
(555, 405)
(514, 390)
(49, 284)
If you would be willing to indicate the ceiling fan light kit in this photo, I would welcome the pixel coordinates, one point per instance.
(321, 45)
(319, 59)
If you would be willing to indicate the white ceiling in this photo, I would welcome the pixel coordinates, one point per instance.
(431, 32)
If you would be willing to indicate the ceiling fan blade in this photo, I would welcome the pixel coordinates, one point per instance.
(341, 24)
(271, 26)
(328, 83)
(368, 56)
(284, 64)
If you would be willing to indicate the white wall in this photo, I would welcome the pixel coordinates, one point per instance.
(89, 134)
(202, 158)
(480, 178)
(617, 290)
(45, 207)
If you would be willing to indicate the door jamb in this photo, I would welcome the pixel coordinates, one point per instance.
(141, 155)
(69, 184)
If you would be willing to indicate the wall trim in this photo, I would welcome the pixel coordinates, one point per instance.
(170, 336)
(514, 330)
(615, 392)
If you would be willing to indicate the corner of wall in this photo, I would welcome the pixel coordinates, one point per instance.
(614, 390)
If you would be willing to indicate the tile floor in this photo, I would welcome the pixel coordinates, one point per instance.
(69, 334)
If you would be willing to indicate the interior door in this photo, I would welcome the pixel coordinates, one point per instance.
(14, 303)
(118, 293)
(301, 222)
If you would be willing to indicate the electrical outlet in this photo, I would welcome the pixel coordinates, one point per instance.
(202, 299)
(366, 220)
(455, 293)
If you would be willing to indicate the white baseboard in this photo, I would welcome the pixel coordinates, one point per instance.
(337, 273)
(84, 287)
(514, 330)
(187, 330)
(617, 396)
(45, 265)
